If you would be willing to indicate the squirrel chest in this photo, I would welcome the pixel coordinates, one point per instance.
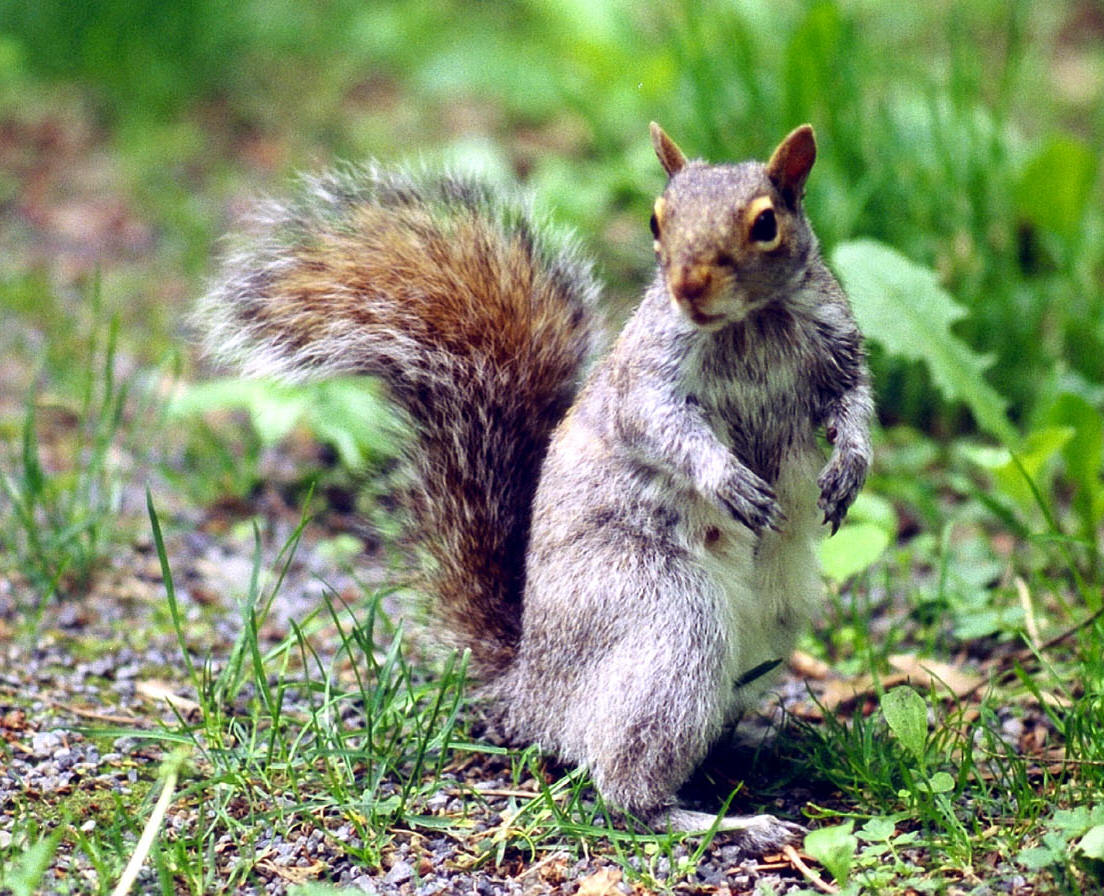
(756, 383)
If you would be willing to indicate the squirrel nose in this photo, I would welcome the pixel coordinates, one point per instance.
(689, 282)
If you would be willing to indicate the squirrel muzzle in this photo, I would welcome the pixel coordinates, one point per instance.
(690, 283)
(693, 288)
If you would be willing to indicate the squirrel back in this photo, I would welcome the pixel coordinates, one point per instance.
(479, 321)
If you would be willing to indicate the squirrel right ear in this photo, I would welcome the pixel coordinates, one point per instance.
(791, 163)
(670, 156)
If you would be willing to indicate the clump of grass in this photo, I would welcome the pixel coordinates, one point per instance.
(58, 523)
(359, 736)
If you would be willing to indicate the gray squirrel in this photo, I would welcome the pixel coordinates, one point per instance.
(618, 547)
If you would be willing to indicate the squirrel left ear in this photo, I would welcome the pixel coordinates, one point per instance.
(792, 161)
(670, 156)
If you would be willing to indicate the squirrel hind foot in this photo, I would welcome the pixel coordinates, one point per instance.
(754, 834)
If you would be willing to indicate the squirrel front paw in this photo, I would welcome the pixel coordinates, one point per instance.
(839, 483)
(749, 499)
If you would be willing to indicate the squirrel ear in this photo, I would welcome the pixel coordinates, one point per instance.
(791, 162)
(670, 156)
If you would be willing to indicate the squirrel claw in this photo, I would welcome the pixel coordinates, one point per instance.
(835, 518)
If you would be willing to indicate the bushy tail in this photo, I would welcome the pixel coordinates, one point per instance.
(478, 321)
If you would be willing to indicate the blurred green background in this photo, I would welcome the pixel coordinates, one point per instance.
(964, 135)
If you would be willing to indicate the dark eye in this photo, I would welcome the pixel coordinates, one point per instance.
(654, 224)
(764, 228)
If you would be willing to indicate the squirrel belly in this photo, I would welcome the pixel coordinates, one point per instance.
(627, 551)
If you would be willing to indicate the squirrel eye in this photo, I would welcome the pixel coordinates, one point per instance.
(764, 229)
(654, 224)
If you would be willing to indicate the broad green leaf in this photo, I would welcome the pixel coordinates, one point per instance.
(1056, 185)
(1092, 844)
(901, 305)
(348, 412)
(275, 414)
(1034, 453)
(1084, 453)
(1076, 821)
(879, 829)
(851, 550)
(941, 782)
(1036, 858)
(351, 414)
(834, 848)
(871, 508)
(907, 715)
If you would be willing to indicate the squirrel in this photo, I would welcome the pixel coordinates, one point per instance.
(625, 544)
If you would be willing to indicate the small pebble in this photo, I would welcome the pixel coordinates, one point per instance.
(400, 873)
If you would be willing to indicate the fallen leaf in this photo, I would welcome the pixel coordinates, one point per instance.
(162, 692)
(14, 720)
(601, 883)
(808, 666)
(927, 674)
(296, 874)
(840, 694)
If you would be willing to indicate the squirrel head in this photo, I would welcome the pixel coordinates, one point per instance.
(733, 239)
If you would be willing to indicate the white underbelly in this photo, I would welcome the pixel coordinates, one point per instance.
(771, 585)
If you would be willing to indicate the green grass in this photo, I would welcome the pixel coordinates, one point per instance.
(58, 524)
(958, 181)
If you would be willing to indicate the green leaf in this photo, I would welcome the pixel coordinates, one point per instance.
(879, 829)
(907, 715)
(1036, 858)
(851, 550)
(1083, 455)
(1056, 185)
(1091, 846)
(1034, 453)
(874, 509)
(352, 415)
(941, 782)
(901, 305)
(348, 413)
(834, 848)
(1076, 821)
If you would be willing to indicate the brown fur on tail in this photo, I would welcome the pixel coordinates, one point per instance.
(479, 322)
